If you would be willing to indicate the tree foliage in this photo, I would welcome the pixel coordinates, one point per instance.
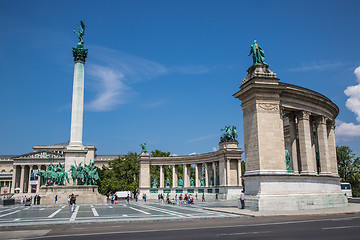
(349, 168)
(121, 175)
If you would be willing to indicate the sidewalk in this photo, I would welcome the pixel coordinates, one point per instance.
(351, 208)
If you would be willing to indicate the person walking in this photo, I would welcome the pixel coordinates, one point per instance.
(128, 199)
(73, 202)
(116, 199)
(242, 199)
(56, 198)
(203, 197)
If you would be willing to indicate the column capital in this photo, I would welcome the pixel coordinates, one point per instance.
(303, 115)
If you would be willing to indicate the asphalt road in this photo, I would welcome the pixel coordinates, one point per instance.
(300, 227)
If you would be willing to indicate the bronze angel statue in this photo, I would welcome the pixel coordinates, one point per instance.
(80, 33)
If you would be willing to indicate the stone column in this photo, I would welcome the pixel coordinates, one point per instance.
(144, 162)
(197, 181)
(306, 154)
(161, 176)
(239, 173)
(293, 149)
(31, 167)
(39, 180)
(214, 173)
(222, 172)
(332, 148)
(206, 175)
(13, 186)
(22, 178)
(80, 55)
(323, 146)
(174, 175)
(228, 172)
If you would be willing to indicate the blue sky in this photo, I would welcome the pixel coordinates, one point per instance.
(163, 72)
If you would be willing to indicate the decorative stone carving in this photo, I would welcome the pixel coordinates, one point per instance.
(269, 107)
(304, 115)
(259, 71)
(42, 155)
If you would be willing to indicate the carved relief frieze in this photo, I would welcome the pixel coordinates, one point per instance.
(42, 155)
(268, 107)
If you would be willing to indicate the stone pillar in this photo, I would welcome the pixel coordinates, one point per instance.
(332, 148)
(323, 146)
(214, 173)
(293, 146)
(174, 175)
(31, 167)
(13, 186)
(239, 179)
(228, 172)
(22, 178)
(306, 154)
(222, 172)
(206, 175)
(197, 175)
(144, 162)
(39, 180)
(161, 176)
(80, 55)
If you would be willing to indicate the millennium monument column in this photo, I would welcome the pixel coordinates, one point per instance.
(76, 153)
(280, 119)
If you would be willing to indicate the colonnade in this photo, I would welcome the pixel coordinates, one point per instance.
(312, 144)
(21, 177)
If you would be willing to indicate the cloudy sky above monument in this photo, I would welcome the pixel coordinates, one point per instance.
(163, 72)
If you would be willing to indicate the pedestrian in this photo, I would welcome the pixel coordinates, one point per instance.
(72, 202)
(196, 196)
(242, 199)
(56, 198)
(22, 200)
(145, 197)
(116, 198)
(136, 197)
(203, 197)
(38, 200)
(128, 199)
(216, 197)
(112, 199)
(35, 200)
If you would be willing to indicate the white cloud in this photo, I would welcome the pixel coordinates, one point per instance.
(194, 153)
(214, 149)
(319, 66)
(113, 72)
(345, 130)
(173, 155)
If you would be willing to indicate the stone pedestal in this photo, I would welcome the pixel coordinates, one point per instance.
(84, 194)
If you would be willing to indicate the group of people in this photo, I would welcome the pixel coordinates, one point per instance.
(28, 200)
(114, 199)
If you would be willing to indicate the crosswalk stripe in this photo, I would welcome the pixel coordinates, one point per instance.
(166, 211)
(139, 210)
(94, 212)
(54, 213)
(6, 214)
(73, 216)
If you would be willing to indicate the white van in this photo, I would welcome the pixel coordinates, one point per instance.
(123, 194)
(346, 189)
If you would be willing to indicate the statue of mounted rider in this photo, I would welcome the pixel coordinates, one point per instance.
(229, 135)
(86, 175)
(53, 176)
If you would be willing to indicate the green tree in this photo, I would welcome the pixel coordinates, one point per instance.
(349, 168)
(121, 175)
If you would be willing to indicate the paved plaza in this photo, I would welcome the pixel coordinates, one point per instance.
(20, 215)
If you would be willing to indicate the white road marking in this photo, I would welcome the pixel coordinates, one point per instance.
(54, 213)
(41, 209)
(94, 212)
(341, 227)
(63, 206)
(16, 219)
(6, 214)
(166, 211)
(139, 210)
(242, 233)
(124, 215)
(9, 209)
(110, 206)
(73, 216)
